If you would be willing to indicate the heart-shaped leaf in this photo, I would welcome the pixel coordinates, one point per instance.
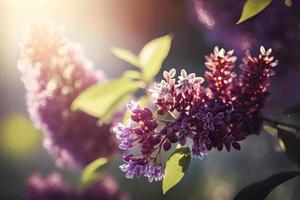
(252, 8)
(176, 167)
(126, 55)
(100, 100)
(132, 74)
(91, 174)
(260, 190)
(152, 56)
(273, 131)
(117, 105)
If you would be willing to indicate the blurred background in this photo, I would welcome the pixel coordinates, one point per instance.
(97, 25)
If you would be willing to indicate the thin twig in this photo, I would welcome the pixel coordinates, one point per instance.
(282, 125)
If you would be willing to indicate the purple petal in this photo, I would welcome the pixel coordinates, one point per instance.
(200, 115)
(211, 126)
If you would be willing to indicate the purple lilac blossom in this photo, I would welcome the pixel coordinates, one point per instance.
(54, 71)
(106, 189)
(217, 116)
(53, 187)
(49, 188)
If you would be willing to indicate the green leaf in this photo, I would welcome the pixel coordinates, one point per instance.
(281, 145)
(176, 167)
(126, 55)
(252, 8)
(99, 100)
(152, 56)
(292, 110)
(115, 107)
(143, 101)
(126, 117)
(132, 74)
(260, 190)
(90, 174)
(273, 131)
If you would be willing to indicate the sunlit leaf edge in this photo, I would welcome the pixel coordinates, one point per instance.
(90, 173)
(252, 8)
(171, 179)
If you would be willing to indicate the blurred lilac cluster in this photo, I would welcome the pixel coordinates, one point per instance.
(53, 187)
(217, 116)
(276, 26)
(54, 71)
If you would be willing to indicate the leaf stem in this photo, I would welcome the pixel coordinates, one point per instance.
(172, 115)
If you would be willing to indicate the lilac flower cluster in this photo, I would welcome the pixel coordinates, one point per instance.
(187, 113)
(54, 71)
(53, 187)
